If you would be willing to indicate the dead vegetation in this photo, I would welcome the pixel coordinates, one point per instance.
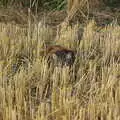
(30, 89)
(90, 89)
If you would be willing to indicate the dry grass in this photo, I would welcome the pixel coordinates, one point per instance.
(88, 91)
(82, 8)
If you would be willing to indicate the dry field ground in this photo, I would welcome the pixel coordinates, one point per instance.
(31, 90)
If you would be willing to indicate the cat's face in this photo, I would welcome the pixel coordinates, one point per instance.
(63, 57)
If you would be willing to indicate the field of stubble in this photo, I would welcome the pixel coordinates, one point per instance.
(90, 90)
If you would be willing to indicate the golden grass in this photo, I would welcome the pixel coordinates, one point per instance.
(82, 8)
(90, 90)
